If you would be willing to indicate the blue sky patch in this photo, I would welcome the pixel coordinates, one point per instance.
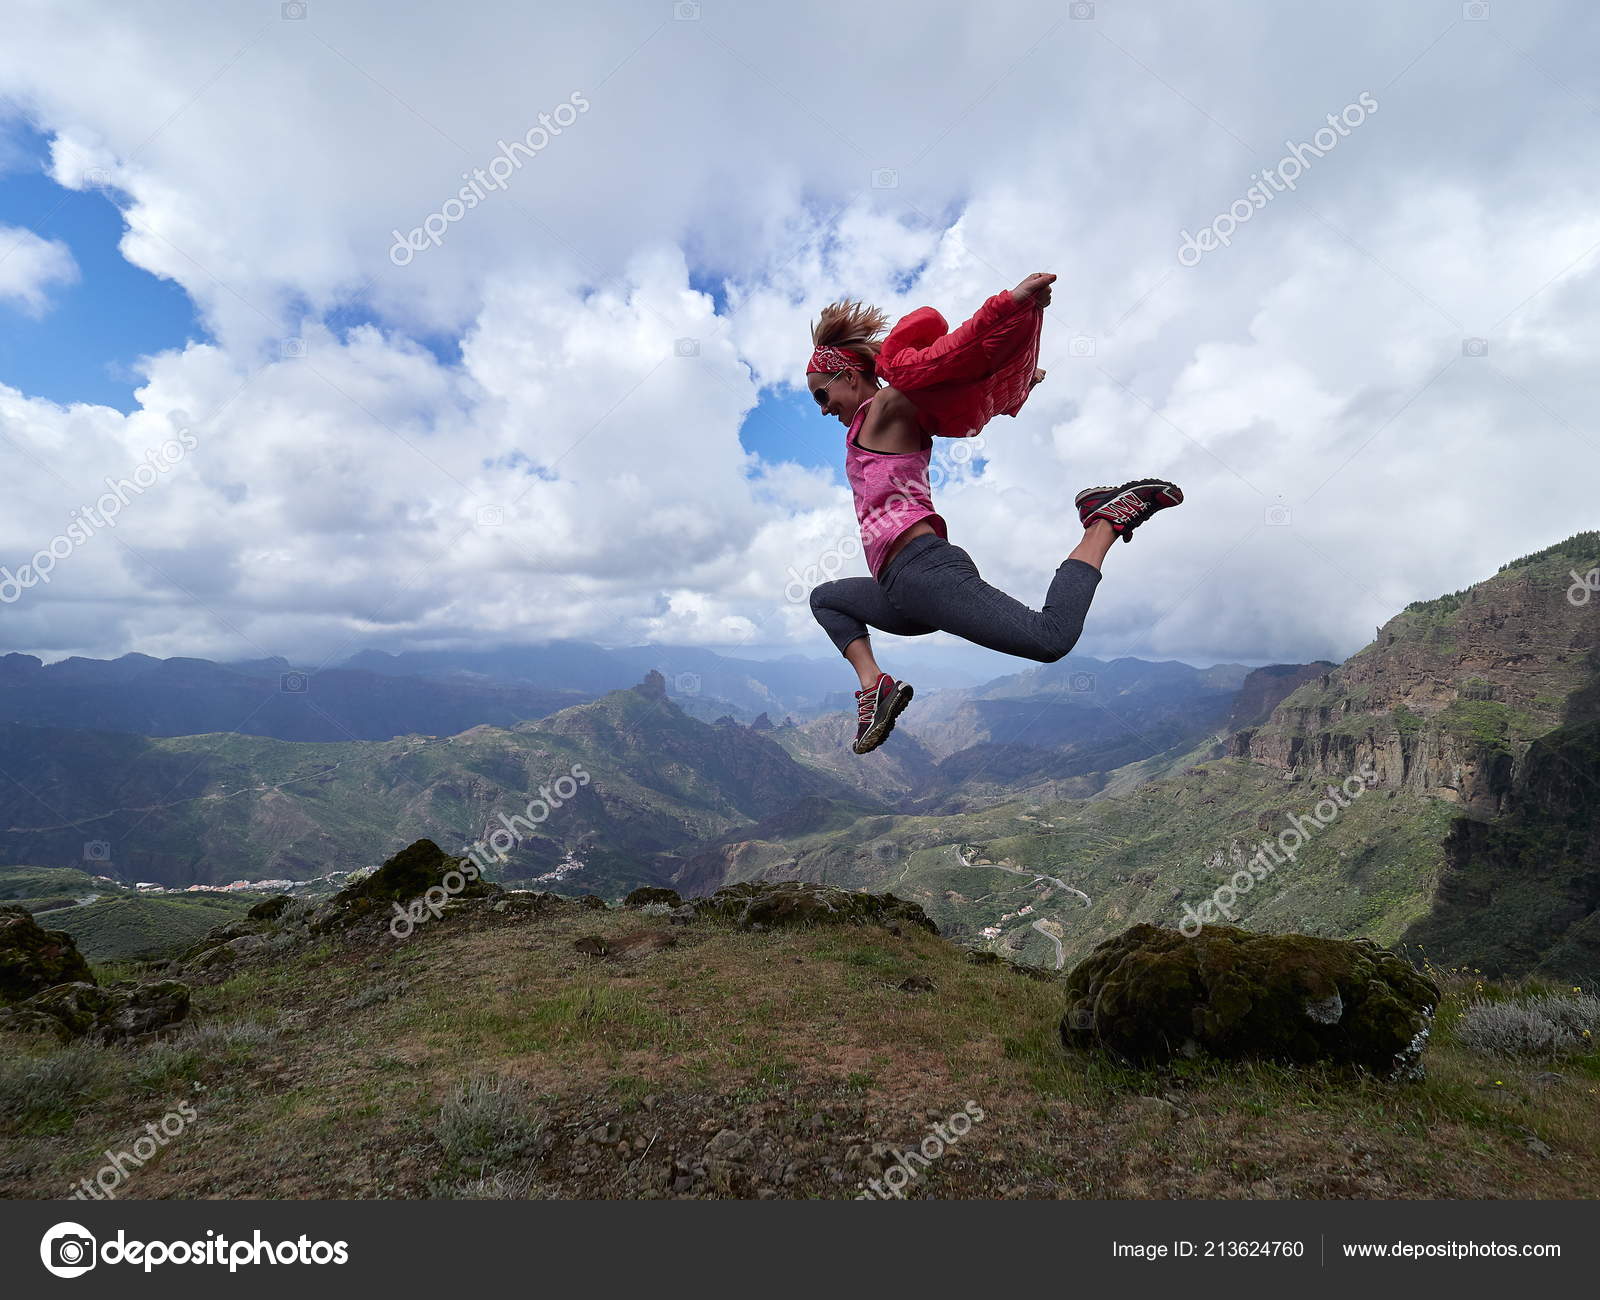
(84, 347)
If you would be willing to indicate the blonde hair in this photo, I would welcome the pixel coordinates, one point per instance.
(853, 326)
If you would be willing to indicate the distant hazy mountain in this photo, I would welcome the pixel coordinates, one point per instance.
(793, 684)
(1083, 706)
(215, 808)
(186, 697)
(1054, 729)
(376, 696)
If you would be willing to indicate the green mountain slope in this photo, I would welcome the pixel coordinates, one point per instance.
(1440, 711)
(209, 809)
(120, 929)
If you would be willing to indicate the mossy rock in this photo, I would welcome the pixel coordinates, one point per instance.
(106, 1013)
(269, 909)
(797, 904)
(647, 894)
(223, 953)
(1151, 994)
(33, 959)
(412, 871)
(403, 879)
(220, 934)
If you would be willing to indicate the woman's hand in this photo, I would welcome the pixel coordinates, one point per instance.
(1038, 378)
(1037, 287)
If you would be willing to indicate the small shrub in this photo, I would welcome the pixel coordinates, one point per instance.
(1578, 1014)
(233, 1043)
(487, 1121)
(240, 1035)
(40, 1093)
(1548, 1025)
(157, 1067)
(181, 1059)
(376, 993)
(496, 1187)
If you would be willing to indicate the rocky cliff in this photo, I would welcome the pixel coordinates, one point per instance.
(1448, 698)
(1266, 688)
(1522, 893)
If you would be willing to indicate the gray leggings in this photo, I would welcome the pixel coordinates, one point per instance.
(933, 586)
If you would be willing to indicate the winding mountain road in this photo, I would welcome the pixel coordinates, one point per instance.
(1061, 952)
(1037, 876)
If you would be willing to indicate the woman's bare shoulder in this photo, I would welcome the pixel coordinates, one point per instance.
(894, 423)
(895, 405)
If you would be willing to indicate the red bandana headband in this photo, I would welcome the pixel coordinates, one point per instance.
(830, 361)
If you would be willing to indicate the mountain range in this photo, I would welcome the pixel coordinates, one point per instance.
(1036, 813)
(1471, 724)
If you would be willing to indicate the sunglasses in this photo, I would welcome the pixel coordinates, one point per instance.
(821, 394)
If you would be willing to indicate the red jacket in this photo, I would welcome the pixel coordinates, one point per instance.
(960, 381)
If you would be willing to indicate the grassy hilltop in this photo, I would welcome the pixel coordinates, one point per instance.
(498, 1055)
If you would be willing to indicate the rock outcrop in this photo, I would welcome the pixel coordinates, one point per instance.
(403, 879)
(654, 686)
(645, 895)
(1151, 994)
(1450, 694)
(100, 1013)
(270, 909)
(33, 959)
(1266, 688)
(793, 904)
(1522, 894)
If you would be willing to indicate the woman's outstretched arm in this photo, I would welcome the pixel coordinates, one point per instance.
(1002, 326)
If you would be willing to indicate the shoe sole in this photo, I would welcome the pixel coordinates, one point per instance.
(879, 731)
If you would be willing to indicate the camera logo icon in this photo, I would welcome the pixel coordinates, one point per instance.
(1081, 682)
(1278, 516)
(491, 516)
(1081, 346)
(686, 11)
(686, 347)
(290, 349)
(68, 1250)
(293, 11)
(686, 683)
(1474, 347)
(1081, 11)
(97, 851)
(293, 683)
(885, 178)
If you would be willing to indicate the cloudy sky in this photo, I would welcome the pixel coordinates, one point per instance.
(234, 249)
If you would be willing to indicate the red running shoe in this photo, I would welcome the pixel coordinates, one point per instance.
(877, 708)
(1128, 506)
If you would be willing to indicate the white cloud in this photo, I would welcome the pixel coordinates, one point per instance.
(30, 267)
(334, 500)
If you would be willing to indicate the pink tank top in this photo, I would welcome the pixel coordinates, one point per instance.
(891, 492)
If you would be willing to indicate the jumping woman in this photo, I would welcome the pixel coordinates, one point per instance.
(894, 393)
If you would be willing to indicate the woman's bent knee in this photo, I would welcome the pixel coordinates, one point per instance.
(819, 596)
(1059, 650)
